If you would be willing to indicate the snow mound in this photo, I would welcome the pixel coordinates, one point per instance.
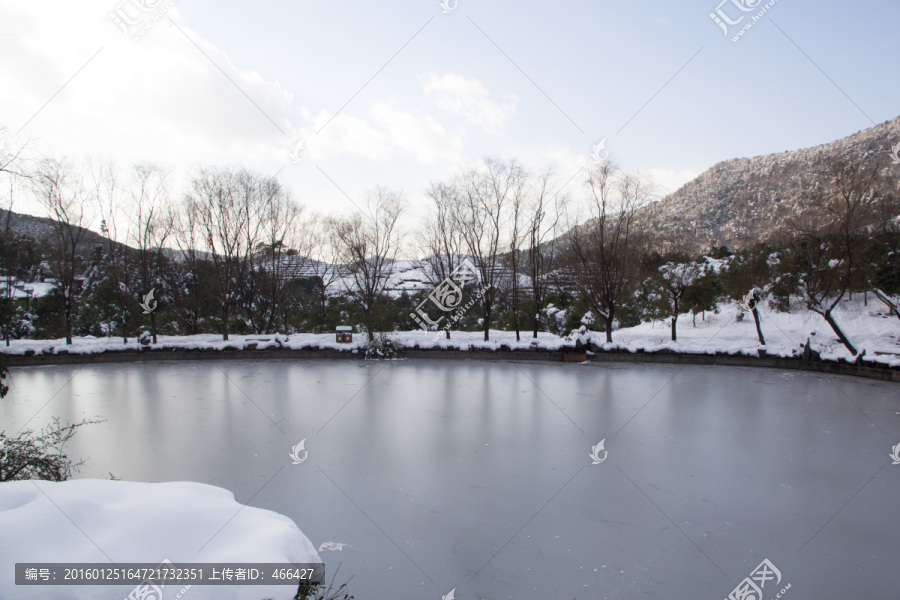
(89, 520)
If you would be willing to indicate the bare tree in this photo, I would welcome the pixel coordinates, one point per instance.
(284, 246)
(606, 248)
(545, 211)
(224, 204)
(324, 267)
(62, 193)
(186, 277)
(12, 150)
(484, 196)
(10, 248)
(441, 238)
(152, 223)
(850, 204)
(368, 246)
(517, 235)
(107, 195)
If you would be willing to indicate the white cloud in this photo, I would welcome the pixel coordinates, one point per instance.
(158, 98)
(162, 99)
(470, 99)
(386, 133)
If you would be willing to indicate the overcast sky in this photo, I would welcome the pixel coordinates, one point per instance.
(402, 93)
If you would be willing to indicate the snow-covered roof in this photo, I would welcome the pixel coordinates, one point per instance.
(18, 289)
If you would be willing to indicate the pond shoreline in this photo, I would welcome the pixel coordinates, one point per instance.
(813, 364)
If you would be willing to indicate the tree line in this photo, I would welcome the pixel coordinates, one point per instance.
(237, 253)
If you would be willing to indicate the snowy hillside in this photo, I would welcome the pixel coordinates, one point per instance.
(739, 202)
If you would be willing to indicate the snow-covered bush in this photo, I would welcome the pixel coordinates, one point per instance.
(381, 347)
(555, 319)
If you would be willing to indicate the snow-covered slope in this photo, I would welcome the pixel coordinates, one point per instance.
(741, 201)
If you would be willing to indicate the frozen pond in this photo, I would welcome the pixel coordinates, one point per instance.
(434, 475)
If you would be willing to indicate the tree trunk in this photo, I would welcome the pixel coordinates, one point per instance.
(515, 306)
(153, 325)
(69, 318)
(225, 322)
(516, 321)
(837, 330)
(884, 298)
(609, 324)
(674, 318)
(759, 332)
(369, 329)
(487, 321)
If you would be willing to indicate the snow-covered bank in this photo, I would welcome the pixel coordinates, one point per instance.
(870, 327)
(95, 521)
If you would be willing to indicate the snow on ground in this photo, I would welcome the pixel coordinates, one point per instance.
(870, 327)
(95, 521)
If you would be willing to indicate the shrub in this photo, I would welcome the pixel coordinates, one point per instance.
(381, 347)
(39, 455)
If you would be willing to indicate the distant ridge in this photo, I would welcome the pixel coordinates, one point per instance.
(741, 201)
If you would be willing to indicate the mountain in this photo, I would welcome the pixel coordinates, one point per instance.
(41, 229)
(741, 201)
